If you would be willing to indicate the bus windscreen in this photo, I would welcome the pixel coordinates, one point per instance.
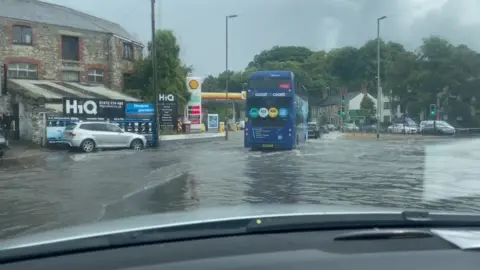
(269, 84)
(269, 111)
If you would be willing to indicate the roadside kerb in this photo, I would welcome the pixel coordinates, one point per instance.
(388, 136)
(190, 138)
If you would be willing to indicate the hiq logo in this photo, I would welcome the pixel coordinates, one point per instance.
(163, 97)
(88, 107)
(283, 112)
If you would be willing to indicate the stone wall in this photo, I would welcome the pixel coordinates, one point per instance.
(96, 51)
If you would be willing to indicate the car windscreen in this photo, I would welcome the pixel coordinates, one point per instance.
(269, 111)
(443, 124)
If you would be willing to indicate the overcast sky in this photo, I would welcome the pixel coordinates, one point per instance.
(261, 24)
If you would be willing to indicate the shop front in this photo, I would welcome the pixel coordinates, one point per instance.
(136, 117)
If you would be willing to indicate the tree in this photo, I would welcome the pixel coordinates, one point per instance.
(171, 72)
(367, 107)
(411, 79)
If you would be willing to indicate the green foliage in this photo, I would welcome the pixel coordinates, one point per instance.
(412, 79)
(367, 107)
(171, 73)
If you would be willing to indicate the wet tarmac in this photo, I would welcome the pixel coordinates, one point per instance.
(63, 189)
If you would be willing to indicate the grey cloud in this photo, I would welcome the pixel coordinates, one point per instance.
(317, 24)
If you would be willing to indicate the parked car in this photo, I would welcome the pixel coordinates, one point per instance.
(324, 129)
(350, 127)
(369, 128)
(89, 136)
(437, 128)
(313, 130)
(400, 128)
(331, 127)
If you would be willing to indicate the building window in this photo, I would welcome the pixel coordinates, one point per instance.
(95, 75)
(386, 119)
(386, 105)
(22, 71)
(127, 51)
(70, 48)
(22, 35)
(70, 76)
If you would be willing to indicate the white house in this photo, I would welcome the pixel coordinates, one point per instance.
(385, 110)
(327, 110)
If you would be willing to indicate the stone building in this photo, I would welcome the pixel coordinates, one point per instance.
(53, 52)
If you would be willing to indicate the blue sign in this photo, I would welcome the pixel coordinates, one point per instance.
(212, 121)
(253, 112)
(56, 126)
(283, 112)
(139, 109)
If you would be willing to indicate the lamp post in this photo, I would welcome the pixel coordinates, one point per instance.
(379, 88)
(227, 18)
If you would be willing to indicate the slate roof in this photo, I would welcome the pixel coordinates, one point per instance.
(41, 12)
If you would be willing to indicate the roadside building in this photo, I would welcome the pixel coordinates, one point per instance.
(52, 52)
(327, 110)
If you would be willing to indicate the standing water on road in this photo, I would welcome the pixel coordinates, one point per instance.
(83, 188)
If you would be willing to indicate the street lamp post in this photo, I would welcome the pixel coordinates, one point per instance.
(379, 88)
(227, 18)
(154, 71)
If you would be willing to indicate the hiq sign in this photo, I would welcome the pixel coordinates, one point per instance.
(164, 97)
(73, 107)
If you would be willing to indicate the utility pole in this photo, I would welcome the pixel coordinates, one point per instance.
(227, 74)
(154, 71)
(439, 95)
(379, 87)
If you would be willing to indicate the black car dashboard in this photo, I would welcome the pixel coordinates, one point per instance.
(276, 251)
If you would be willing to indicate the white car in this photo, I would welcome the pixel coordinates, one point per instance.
(350, 127)
(400, 128)
(89, 136)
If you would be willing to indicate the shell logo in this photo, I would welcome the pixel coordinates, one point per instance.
(244, 95)
(193, 84)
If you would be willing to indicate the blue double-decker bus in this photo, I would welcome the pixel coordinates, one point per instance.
(277, 111)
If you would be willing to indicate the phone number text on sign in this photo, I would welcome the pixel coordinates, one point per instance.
(110, 104)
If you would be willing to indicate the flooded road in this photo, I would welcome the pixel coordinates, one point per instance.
(68, 189)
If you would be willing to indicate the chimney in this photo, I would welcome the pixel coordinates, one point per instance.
(364, 89)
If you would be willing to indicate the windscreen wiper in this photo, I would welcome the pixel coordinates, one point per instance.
(406, 219)
(376, 234)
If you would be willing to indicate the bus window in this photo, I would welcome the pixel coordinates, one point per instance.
(278, 103)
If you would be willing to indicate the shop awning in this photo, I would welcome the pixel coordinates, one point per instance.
(54, 91)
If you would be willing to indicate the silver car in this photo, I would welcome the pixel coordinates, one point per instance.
(89, 136)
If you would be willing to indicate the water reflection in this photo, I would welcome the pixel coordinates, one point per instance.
(272, 177)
